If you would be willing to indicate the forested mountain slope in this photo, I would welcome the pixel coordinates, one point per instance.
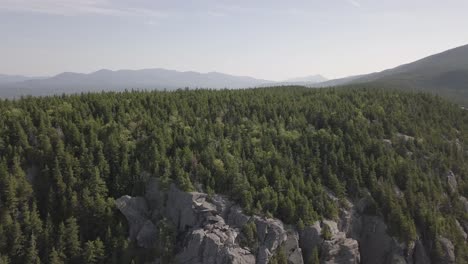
(445, 73)
(283, 152)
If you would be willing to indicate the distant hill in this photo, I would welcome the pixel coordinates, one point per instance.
(308, 79)
(15, 78)
(445, 73)
(107, 80)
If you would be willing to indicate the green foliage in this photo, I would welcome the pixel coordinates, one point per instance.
(279, 257)
(94, 251)
(290, 152)
(166, 246)
(55, 257)
(249, 235)
(32, 253)
(314, 257)
(326, 232)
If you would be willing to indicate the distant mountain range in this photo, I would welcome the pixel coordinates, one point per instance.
(146, 79)
(445, 73)
(106, 80)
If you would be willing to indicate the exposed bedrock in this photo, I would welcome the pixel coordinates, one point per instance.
(209, 228)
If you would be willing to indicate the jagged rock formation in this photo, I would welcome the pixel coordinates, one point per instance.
(339, 249)
(210, 231)
(376, 245)
(291, 247)
(210, 228)
(336, 249)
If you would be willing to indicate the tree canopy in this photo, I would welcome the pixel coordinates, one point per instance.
(289, 152)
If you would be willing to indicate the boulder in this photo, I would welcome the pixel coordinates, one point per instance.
(332, 226)
(448, 251)
(452, 182)
(340, 250)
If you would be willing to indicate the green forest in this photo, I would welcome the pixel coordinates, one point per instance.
(276, 151)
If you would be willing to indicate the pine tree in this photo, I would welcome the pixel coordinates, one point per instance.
(72, 238)
(7, 188)
(93, 251)
(32, 253)
(314, 257)
(4, 259)
(55, 257)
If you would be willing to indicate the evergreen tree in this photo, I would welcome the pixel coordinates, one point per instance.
(32, 253)
(93, 251)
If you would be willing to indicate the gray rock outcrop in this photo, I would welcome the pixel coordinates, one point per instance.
(464, 201)
(337, 249)
(452, 182)
(376, 245)
(136, 211)
(214, 245)
(209, 228)
(340, 249)
(292, 249)
(448, 251)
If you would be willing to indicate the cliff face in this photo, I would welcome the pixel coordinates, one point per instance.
(209, 230)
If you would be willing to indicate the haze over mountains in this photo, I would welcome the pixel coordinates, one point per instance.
(14, 78)
(445, 73)
(107, 80)
(310, 79)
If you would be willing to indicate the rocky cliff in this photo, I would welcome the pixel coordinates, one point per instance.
(210, 229)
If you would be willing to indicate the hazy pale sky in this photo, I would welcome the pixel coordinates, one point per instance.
(267, 39)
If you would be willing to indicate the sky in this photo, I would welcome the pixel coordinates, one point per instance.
(268, 39)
